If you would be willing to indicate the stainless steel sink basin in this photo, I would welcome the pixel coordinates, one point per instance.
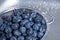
(47, 7)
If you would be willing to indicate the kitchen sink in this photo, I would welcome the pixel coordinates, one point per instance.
(50, 10)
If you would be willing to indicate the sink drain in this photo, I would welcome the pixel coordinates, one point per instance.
(22, 24)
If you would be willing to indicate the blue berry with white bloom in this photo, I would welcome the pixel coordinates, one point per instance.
(34, 38)
(16, 12)
(33, 14)
(23, 22)
(17, 33)
(15, 26)
(13, 38)
(34, 34)
(1, 22)
(28, 25)
(26, 16)
(9, 35)
(29, 38)
(21, 38)
(8, 18)
(30, 19)
(30, 31)
(8, 29)
(40, 34)
(32, 23)
(17, 18)
(36, 26)
(22, 29)
(2, 27)
(24, 34)
(38, 18)
(43, 21)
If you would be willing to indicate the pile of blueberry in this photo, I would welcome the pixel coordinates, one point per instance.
(23, 24)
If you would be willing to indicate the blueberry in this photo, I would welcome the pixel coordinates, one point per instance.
(25, 16)
(36, 26)
(22, 29)
(34, 38)
(23, 22)
(15, 26)
(17, 18)
(24, 34)
(28, 38)
(34, 34)
(8, 18)
(13, 38)
(1, 22)
(8, 29)
(33, 14)
(16, 12)
(31, 23)
(2, 27)
(9, 35)
(28, 25)
(38, 18)
(30, 19)
(30, 31)
(43, 29)
(21, 38)
(16, 33)
(40, 34)
(43, 21)
(9, 23)
(4, 17)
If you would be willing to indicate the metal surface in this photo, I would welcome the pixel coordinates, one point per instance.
(51, 6)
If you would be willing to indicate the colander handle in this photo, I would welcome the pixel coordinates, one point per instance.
(49, 18)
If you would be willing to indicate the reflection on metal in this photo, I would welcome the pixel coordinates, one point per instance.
(7, 4)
